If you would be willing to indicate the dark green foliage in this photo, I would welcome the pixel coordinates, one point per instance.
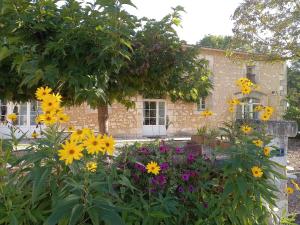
(95, 53)
(293, 85)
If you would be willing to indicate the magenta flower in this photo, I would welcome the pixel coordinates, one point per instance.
(180, 189)
(191, 188)
(144, 150)
(191, 158)
(179, 150)
(164, 166)
(185, 176)
(159, 180)
(140, 167)
(163, 148)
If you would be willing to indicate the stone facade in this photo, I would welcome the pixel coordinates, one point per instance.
(184, 119)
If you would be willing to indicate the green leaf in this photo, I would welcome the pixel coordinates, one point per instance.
(62, 209)
(76, 213)
(4, 53)
(40, 176)
(93, 213)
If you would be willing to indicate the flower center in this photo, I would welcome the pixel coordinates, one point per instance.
(44, 93)
(48, 118)
(107, 144)
(71, 151)
(152, 168)
(256, 172)
(50, 104)
(95, 143)
(79, 132)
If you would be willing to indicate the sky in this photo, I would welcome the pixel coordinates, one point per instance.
(202, 17)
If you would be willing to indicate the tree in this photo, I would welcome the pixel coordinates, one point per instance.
(96, 53)
(215, 41)
(269, 26)
(293, 97)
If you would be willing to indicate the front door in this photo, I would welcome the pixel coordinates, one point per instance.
(154, 118)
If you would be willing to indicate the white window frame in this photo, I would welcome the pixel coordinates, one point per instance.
(200, 104)
(10, 107)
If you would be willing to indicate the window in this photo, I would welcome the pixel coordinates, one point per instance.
(154, 113)
(3, 110)
(201, 104)
(250, 73)
(246, 110)
(26, 112)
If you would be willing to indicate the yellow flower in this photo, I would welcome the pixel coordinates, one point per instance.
(42, 92)
(109, 144)
(38, 119)
(206, 113)
(246, 90)
(80, 134)
(70, 151)
(12, 117)
(48, 119)
(256, 171)
(71, 128)
(152, 167)
(94, 144)
(267, 151)
(258, 142)
(50, 103)
(295, 185)
(258, 108)
(58, 97)
(234, 101)
(246, 129)
(231, 109)
(34, 135)
(289, 190)
(62, 118)
(269, 109)
(91, 166)
(265, 117)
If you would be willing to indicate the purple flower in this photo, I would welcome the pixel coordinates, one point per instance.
(179, 150)
(144, 150)
(205, 205)
(163, 148)
(140, 167)
(191, 188)
(185, 176)
(159, 180)
(180, 189)
(164, 166)
(191, 158)
(135, 177)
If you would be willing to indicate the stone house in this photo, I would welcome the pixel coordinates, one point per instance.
(161, 117)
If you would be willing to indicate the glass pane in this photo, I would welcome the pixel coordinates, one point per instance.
(152, 121)
(23, 109)
(146, 113)
(146, 121)
(162, 121)
(23, 120)
(161, 109)
(3, 111)
(146, 105)
(152, 105)
(153, 113)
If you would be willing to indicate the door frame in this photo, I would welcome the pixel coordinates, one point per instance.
(161, 128)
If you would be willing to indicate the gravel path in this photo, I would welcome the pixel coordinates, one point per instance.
(294, 161)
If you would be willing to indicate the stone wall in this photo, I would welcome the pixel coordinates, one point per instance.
(184, 117)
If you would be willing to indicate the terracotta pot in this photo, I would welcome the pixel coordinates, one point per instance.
(225, 145)
(199, 139)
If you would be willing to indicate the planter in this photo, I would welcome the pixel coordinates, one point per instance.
(199, 139)
(223, 144)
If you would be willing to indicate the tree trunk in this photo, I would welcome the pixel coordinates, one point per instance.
(103, 119)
